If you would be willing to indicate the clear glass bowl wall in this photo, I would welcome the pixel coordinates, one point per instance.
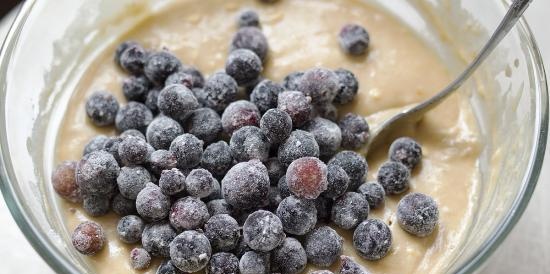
(51, 43)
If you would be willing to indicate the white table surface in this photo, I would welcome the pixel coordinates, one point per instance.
(526, 250)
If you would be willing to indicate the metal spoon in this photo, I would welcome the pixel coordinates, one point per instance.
(413, 113)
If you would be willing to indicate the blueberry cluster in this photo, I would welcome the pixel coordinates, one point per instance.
(284, 161)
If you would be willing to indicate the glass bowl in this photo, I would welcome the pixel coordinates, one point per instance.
(51, 43)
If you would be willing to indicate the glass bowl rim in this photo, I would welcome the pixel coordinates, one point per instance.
(56, 260)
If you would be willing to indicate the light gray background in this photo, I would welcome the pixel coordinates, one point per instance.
(526, 250)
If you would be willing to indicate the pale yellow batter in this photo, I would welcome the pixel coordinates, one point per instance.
(399, 69)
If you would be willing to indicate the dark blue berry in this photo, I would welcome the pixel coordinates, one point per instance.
(96, 205)
(64, 181)
(130, 228)
(283, 188)
(188, 150)
(372, 239)
(406, 151)
(274, 197)
(199, 183)
(320, 84)
(246, 185)
(296, 105)
(219, 90)
(88, 238)
(102, 108)
(131, 180)
(217, 158)
(394, 177)
(323, 246)
(121, 48)
(327, 134)
(161, 160)
(248, 18)
(133, 151)
(219, 206)
(418, 214)
(180, 78)
(152, 204)
(111, 147)
(243, 65)
(139, 258)
(292, 80)
(239, 114)
(355, 166)
(135, 88)
(290, 257)
(327, 111)
(133, 59)
(134, 115)
(160, 65)
(167, 267)
(347, 86)
(190, 251)
(176, 101)
(172, 181)
(197, 78)
(354, 39)
(162, 131)
(250, 38)
(253, 262)
(205, 124)
(298, 216)
(223, 232)
(374, 193)
(95, 144)
(337, 182)
(355, 131)
(265, 95)
(249, 143)
(349, 266)
(276, 125)
(132, 132)
(156, 238)
(223, 263)
(299, 144)
(96, 173)
(151, 101)
(349, 210)
(188, 213)
(123, 206)
(263, 231)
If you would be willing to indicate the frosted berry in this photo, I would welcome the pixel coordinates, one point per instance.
(418, 214)
(276, 125)
(131, 180)
(190, 251)
(135, 88)
(133, 58)
(320, 84)
(372, 239)
(290, 257)
(152, 204)
(307, 177)
(205, 124)
(299, 144)
(217, 158)
(354, 39)
(248, 18)
(64, 181)
(197, 78)
(130, 228)
(219, 90)
(151, 101)
(406, 151)
(101, 108)
(291, 81)
(180, 78)
(327, 134)
(139, 258)
(250, 38)
(263, 231)
(188, 150)
(159, 65)
(134, 115)
(239, 114)
(88, 238)
(199, 183)
(156, 238)
(96, 205)
(246, 185)
(161, 160)
(327, 111)
(249, 143)
(265, 95)
(298, 216)
(349, 210)
(355, 166)
(167, 267)
(176, 101)
(223, 232)
(121, 48)
(223, 263)
(133, 151)
(95, 144)
(172, 181)
(347, 86)
(132, 132)
(355, 131)
(296, 105)
(323, 246)
(243, 65)
(394, 177)
(283, 187)
(253, 262)
(188, 213)
(162, 131)
(374, 193)
(96, 173)
(337, 182)
(219, 206)
(349, 266)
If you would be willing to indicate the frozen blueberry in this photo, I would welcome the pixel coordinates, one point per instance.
(121, 48)
(239, 114)
(349, 210)
(172, 181)
(95, 144)
(96, 205)
(199, 183)
(219, 206)
(337, 182)
(133, 59)
(188, 150)
(355, 166)
(307, 177)
(162, 131)
(274, 197)
(131, 180)
(223, 232)
(88, 238)
(263, 231)
(296, 105)
(250, 38)
(161, 160)
(156, 238)
(292, 80)
(159, 65)
(177, 101)
(327, 134)
(374, 193)
(253, 262)
(349, 266)
(135, 88)
(323, 246)
(406, 151)
(151, 101)
(289, 258)
(249, 143)
(299, 144)
(297, 215)
(246, 185)
(372, 239)
(248, 18)
(132, 132)
(275, 170)
(188, 213)
(96, 173)
(347, 86)
(111, 147)
(190, 251)
(180, 78)
(123, 206)
(223, 263)
(418, 214)
(130, 228)
(355, 131)
(152, 204)
(265, 95)
(101, 108)
(327, 111)
(204, 123)
(217, 158)
(283, 187)
(197, 78)
(139, 258)
(394, 177)
(216, 191)
(167, 267)
(219, 90)
(323, 206)
(354, 39)
(133, 151)
(64, 181)
(243, 65)
(134, 115)
(320, 84)
(276, 125)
